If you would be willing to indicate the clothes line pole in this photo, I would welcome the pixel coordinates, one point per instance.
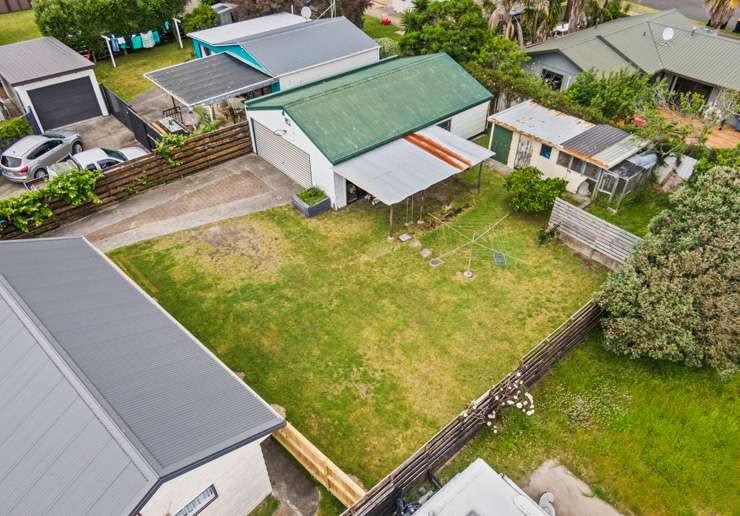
(177, 31)
(110, 50)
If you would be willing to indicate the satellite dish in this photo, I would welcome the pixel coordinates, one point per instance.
(306, 12)
(667, 34)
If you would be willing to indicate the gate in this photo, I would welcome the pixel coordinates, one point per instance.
(144, 133)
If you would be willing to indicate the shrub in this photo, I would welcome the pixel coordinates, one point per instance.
(168, 145)
(677, 298)
(312, 196)
(616, 94)
(12, 128)
(388, 47)
(531, 193)
(202, 17)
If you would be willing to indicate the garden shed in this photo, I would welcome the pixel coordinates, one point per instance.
(51, 81)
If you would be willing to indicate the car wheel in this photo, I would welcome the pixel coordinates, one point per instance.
(77, 148)
(41, 173)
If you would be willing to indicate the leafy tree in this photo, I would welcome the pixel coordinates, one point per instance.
(729, 157)
(350, 9)
(531, 193)
(720, 11)
(202, 17)
(616, 94)
(677, 297)
(388, 47)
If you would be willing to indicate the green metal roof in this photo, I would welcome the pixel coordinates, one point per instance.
(352, 113)
(637, 42)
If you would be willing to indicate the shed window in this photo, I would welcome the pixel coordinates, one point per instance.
(564, 159)
(591, 170)
(577, 165)
(199, 502)
(552, 79)
(545, 151)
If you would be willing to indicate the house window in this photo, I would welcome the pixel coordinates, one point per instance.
(577, 165)
(591, 171)
(446, 124)
(199, 503)
(564, 159)
(553, 79)
(545, 151)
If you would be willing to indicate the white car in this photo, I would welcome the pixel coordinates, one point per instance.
(96, 159)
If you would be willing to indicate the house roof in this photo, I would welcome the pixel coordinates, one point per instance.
(167, 402)
(540, 122)
(636, 42)
(352, 113)
(235, 32)
(594, 140)
(296, 47)
(226, 74)
(37, 59)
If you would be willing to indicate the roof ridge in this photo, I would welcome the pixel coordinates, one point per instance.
(287, 29)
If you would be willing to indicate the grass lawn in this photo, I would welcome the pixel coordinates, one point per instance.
(651, 438)
(368, 348)
(18, 26)
(128, 80)
(375, 29)
(636, 211)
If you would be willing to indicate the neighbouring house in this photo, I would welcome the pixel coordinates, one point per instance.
(109, 405)
(45, 77)
(390, 129)
(263, 55)
(665, 44)
(591, 158)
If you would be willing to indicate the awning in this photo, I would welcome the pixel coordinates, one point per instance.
(209, 79)
(412, 163)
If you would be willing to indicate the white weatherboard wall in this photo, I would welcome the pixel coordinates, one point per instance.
(240, 478)
(24, 99)
(329, 68)
(470, 122)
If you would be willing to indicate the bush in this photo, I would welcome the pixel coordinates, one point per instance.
(616, 94)
(388, 47)
(12, 128)
(202, 17)
(312, 196)
(531, 193)
(677, 298)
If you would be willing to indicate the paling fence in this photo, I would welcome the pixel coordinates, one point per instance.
(11, 6)
(590, 236)
(457, 433)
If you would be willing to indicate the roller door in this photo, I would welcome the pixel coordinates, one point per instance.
(286, 157)
(65, 103)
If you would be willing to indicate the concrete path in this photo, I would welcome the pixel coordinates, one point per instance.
(238, 187)
(297, 493)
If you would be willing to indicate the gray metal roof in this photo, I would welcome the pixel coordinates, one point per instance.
(397, 170)
(59, 451)
(618, 152)
(541, 123)
(175, 402)
(235, 32)
(37, 59)
(209, 79)
(595, 140)
(296, 47)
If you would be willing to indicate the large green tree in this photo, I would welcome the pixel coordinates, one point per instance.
(350, 9)
(677, 297)
(616, 94)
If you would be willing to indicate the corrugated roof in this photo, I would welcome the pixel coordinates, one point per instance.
(352, 113)
(636, 41)
(594, 140)
(301, 46)
(235, 32)
(397, 170)
(208, 79)
(540, 122)
(37, 59)
(614, 154)
(59, 451)
(173, 399)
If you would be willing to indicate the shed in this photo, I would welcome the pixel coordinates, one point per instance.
(108, 404)
(52, 81)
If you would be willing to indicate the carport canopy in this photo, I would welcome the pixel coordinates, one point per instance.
(208, 80)
(411, 164)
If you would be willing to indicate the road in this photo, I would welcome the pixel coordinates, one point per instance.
(693, 9)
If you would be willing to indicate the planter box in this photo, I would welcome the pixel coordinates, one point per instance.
(311, 211)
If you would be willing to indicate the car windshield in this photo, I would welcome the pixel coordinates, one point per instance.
(115, 154)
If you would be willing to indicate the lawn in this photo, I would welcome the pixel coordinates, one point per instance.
(651, 438)
(18, 26)
(375, 29)
(636, 211)
(128, 80)
(365, 345)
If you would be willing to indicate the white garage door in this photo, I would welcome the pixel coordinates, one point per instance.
(285, 156)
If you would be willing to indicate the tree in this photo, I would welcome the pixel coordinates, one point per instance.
(353, 10)
(720, 12)
(202, 17)
(677, 297)
(616, 94)
(531, 193)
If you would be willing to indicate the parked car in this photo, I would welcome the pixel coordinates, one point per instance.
(30, 157)
(96, 159)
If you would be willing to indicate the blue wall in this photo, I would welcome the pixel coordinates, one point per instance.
(215, 49)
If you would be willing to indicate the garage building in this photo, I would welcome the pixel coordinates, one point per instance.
(370, 130)
(47, 78)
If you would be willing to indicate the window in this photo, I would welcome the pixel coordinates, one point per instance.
(115, 154)
(591, 171)
(199, 503)
(43, 149)
(446, 124)
(564, 159)
(107, 163)
(553, 79)
(545, 151)
(577, 165)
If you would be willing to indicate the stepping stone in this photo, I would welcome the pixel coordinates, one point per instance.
(415, 244)
(404, 237)
(436, 262)
(426, 253)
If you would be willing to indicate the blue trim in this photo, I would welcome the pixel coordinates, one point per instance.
(235, 49)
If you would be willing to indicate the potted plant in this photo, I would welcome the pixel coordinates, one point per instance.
(311, 201)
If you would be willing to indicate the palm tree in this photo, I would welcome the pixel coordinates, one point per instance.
(574, 14)
(720, 11)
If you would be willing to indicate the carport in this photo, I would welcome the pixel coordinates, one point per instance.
(411, 164)
(51, 81)
(212, 79)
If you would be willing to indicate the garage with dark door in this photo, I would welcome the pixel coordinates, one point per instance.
(52, 81)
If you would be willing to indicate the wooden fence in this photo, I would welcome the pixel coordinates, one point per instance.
(319, 466)
(120, 182)
(458, 432)
(10, 6)
(590, 236)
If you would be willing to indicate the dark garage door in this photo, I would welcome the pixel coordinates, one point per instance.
(65, 103)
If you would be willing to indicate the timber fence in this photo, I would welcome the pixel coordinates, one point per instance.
(447, 442)
(122, 181)
(590, 236)
(11, 6)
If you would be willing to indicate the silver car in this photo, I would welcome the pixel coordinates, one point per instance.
(96, 159)
(30, 157)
